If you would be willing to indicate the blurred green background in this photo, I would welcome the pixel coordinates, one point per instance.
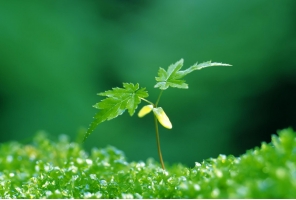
(56, 55)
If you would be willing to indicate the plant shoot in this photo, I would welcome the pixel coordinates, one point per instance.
(130, 96)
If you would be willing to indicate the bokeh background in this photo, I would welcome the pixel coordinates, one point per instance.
(56, 55)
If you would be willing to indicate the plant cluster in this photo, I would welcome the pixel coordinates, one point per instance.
(62, 169)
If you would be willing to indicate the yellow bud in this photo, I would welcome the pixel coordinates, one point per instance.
(145, 110)
(162, 117)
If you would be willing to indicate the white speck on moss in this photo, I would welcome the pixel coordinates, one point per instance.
(138, 196)
(89, 161)
(73, 168)
(45, 184)
(93, 176)
(103, 183)
(218, 173)
(98, 195)
(215, 193)
(183, 186)
(46, 168)
(9, 158)
(140, 164)
(75, 177)
(87, 195)
(197, 164)
(79, 160)
(196, 187)
(281, 173)
(170, 180)
(105, 163)
(165, 172)
(18, 189)
(57, 191)
(182, 178)
(127, 196)
(48, 193)
(242, 191)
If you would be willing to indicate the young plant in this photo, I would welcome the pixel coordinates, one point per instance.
(129, 97)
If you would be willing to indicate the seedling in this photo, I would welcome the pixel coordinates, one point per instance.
(129, 97)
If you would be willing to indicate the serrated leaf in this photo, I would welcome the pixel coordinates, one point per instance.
(172, 77)
(117, 101)
(166, 79)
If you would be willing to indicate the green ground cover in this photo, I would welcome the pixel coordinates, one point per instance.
(63, 169)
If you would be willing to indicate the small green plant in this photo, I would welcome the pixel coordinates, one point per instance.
(129, 97)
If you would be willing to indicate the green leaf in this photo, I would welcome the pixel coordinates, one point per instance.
(117, 101)
(172, 77)
(166, 78)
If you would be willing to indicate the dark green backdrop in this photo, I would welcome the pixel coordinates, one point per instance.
(56, 55)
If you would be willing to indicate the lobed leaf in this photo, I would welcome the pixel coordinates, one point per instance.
(117, 101)
(172, 77)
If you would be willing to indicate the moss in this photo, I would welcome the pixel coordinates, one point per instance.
(62, 169)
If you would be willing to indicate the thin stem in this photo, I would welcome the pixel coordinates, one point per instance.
(158, 98)
(158, 142)
(147, 101)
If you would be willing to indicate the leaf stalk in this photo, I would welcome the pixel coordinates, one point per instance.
(147, 101)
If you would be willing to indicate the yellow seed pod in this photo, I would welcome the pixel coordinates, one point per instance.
(162, 117)
(145, 110)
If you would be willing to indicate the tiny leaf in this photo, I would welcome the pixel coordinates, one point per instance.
(117, 101)
(172, 77)
(145, 110)
(162, 118)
